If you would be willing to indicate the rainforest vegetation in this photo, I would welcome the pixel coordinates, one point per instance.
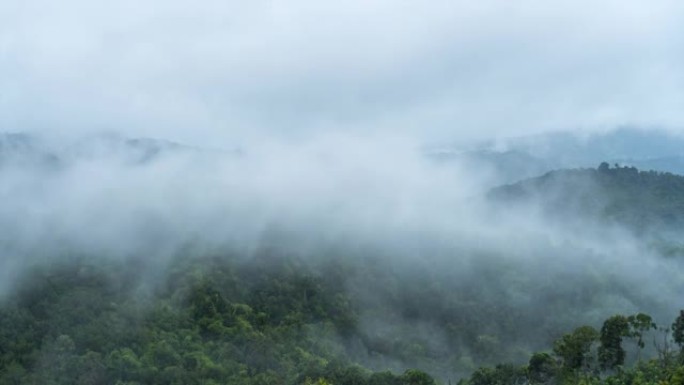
(344, 317)
(644, 201)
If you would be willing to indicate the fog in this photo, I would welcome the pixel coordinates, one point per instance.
(380, 201)
(100, 191)
(164, 129)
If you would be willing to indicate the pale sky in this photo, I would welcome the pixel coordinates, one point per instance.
(224, 72)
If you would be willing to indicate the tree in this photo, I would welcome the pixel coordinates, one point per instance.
(610, 353)
(416, 377)
(574, 348)
(639, 324)
(499, 375)
(678, 330)
(384, 378)
(541, 368)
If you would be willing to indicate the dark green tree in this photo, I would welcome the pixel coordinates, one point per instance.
(416, 377)
(574, 349)
(541, 368)
(678, 330)
(384, 378)
(499, 375)
(610, 353)
(639, 324)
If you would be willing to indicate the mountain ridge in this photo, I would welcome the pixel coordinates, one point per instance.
(641, 200)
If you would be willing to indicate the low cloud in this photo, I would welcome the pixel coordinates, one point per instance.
(233, 72)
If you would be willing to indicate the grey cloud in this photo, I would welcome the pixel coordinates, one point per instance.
(229, 71)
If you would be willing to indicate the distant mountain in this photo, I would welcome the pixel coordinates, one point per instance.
(641, 200)
(505, 166)
(38, 153)
(24, 150)
(514, 159)
(132, 151)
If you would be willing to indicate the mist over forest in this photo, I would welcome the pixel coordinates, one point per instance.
(356, 193)
(350, 252)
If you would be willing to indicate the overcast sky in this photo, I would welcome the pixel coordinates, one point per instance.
(230, 71)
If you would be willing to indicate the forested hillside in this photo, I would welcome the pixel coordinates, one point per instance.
(641, 200)
(208, 321)
(588, 355)
(516, 158)
(419, 311)
(283, 320)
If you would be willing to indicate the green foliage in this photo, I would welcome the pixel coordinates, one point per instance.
(500, 375)
(678, 330)
(640, 324)
(416, 377)
(227, 321)
(644, 201)
(384, 378)
(210, 321)
(542, 368)
(610, 353)
(574, 349)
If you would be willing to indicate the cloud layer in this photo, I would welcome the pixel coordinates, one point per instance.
(228, 71)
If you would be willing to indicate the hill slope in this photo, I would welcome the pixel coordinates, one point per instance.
(512, 159)
(641, 200)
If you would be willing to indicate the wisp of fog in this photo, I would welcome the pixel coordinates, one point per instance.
(373, 199)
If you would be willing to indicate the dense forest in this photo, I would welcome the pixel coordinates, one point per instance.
(644, 201)
(208, 321)
(349, 315)
(597, 356)
(224, 321)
